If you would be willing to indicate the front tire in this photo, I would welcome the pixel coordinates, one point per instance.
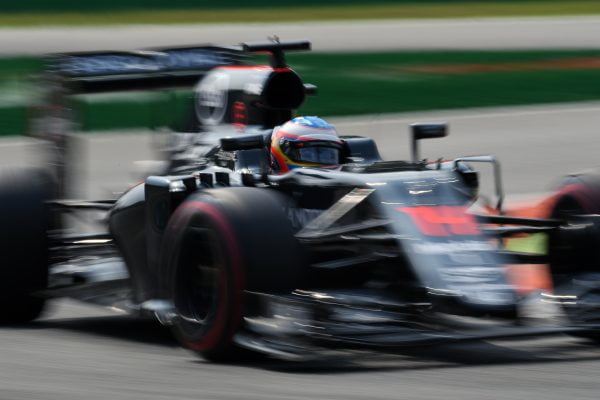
(23, 245)
(219, 244)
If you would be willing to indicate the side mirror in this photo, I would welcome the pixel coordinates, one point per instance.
(497, 174)
(425, 131)
(243, 142)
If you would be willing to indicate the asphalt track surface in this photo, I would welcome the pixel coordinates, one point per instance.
(81, 351)
(379, 35)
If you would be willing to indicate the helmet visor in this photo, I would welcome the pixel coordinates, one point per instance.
(319, 155)
(311, 152)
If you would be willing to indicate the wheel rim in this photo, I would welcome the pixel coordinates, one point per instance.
(198, 280)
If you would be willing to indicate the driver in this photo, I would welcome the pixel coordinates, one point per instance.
(305, 142)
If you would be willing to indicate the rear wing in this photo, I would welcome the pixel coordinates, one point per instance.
(94, 72)
(67, 74)
(237, 96)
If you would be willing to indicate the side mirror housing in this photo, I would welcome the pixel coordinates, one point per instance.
(497, 174)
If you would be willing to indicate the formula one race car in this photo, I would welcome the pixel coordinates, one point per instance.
(374, 254)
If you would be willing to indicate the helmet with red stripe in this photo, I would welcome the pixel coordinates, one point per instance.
(305, 142)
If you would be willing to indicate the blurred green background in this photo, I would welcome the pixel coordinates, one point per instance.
(348, 83)
(79, 12)
(111, 5)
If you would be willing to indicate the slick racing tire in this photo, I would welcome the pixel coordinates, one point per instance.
(23, 245)
(219, 244)
(577, 196)
(573, 254)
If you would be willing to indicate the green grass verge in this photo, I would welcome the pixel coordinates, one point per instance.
(112, 5)
(440, 9)
(354, 84)
(133, 109)
(396, 82)
(13, 120)
(16, 91)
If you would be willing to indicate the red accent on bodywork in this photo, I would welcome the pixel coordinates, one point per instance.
(542, 208)
(529, 278)
(580, 192)
(442, 220)
(240, 114)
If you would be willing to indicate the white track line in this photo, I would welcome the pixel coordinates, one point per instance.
(461, 115)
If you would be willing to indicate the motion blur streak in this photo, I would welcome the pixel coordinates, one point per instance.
(482, 33)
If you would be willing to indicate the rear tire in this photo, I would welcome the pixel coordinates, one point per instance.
(23, 245)
(578, 254)
(219, 244)
(580, 195)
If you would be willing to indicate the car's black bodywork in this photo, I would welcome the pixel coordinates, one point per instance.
(378, 254)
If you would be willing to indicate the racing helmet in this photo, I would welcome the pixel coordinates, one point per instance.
(305, 142)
